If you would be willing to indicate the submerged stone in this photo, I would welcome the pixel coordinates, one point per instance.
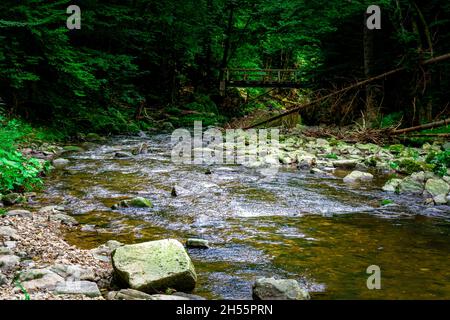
(197, 243)
(60, 163)
(357, 176)
(345, 164)
(123, 155)
(138, 202)
(64, 219)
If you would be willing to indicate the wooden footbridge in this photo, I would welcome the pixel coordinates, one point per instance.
(260, 78)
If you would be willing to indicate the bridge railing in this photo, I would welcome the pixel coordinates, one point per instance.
(261, 75)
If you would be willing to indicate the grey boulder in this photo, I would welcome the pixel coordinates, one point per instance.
(155, 266)
(272, 289)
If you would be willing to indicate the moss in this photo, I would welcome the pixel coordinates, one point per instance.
(371, 162)
(331, 156)
(410, 166)
(396, 148)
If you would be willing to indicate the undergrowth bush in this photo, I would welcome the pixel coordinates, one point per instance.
(441, 162)
(18, 173)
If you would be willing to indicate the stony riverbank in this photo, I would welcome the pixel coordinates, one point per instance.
(422, 172)
(36, 261)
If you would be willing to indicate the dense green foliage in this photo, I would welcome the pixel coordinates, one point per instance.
(137, 64)
(440, 161)
(17, 172)
(167, 55)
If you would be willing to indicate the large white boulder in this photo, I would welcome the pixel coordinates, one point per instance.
(155, 266)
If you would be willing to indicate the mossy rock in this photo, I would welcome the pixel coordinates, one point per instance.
(73, 149)
(410, 185)
(396, 148)
(410, 166)
(392, 185)
(155, 266)
(371, 161)
(12, 199)
(93, 137)
(138, 202)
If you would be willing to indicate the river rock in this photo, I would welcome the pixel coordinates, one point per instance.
(64, 219)
(103, 252)
(20, 213)
(440, 199)
(155, 266)
(9, 233)
(8, 262)
(356, 176)
(60, 163)
(128, 294)
(123, 155)
(437, 187)
(197, 243)
(51, 210)
(167, 297)
(286, 159)
(3, 279)
(188, 295)
(88, 228)
(345, 164)
(321, 143)
(5, 251)
(85, 288)
(392, 185)
(272, 289)
(93, 137)
(73, 149)
(73, 272)
(306, 160)
(418, 176)
(410, 185)
(137, 202)
(39, 279)
(11, 199)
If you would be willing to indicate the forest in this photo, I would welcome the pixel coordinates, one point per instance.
(91, 91)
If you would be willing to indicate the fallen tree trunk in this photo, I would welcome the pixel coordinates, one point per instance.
(422, 127)
(439, 135)
(356, 85)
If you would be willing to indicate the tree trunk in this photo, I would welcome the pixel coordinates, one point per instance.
(227, 43)
(368, 44)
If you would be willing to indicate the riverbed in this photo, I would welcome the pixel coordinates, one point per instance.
(299, 225)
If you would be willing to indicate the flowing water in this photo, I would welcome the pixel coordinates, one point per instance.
(297, 225)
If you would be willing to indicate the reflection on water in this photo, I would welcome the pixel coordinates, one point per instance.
(311, 228)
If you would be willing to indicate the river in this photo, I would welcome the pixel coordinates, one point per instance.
(297, 225)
